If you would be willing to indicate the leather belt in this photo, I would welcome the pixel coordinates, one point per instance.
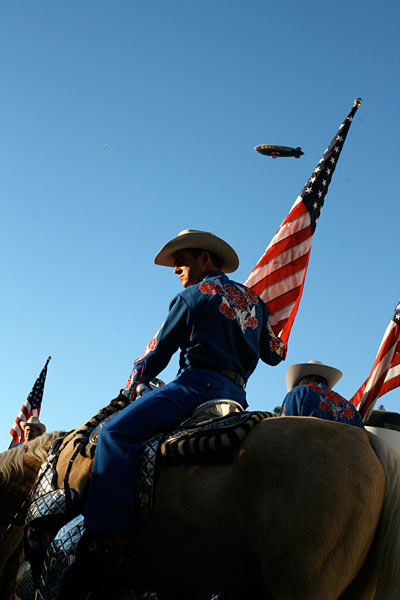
(230, 373)
(235, 377)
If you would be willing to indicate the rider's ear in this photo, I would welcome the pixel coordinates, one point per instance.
(205, 257)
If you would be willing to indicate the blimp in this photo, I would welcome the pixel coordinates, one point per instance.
(276, 151)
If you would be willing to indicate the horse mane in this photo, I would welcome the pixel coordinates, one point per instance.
(12, 460)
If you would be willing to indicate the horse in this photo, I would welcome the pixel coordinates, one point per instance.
(305, 509)
(19, 467)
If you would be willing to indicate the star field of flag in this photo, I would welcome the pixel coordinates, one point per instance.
(314, 192)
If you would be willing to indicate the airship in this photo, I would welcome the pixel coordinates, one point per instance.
(275, 151)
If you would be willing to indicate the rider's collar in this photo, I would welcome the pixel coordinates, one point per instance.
(212, 273)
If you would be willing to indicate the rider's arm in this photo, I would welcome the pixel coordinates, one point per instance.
(161, 347)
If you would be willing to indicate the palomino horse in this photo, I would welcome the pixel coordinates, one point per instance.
(306, 509)
(19, 467)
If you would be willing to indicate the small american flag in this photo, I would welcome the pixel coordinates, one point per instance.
(279, 275)
(31, 406)
(385, 373)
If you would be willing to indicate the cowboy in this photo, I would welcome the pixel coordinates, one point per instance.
(33, 428)
(222, 330)
(310, 394)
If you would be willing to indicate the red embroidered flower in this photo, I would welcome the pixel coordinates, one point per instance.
(152, 344)
(334, 397)
(227, 311)
(349, 412)
(208, 288)
(275, 345)
(314, 387)
(252, 322)
(251, 296)
(324, 406)
(130, 379)
(236, 297)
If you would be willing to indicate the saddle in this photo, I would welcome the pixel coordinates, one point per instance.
(211, 434)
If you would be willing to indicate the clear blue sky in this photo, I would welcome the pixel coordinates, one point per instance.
(123, 123)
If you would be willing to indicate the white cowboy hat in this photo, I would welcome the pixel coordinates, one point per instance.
(313, 367)
(34, 422)
(193, 238)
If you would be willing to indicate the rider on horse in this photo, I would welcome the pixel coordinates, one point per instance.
(221, 328)
(310, 394)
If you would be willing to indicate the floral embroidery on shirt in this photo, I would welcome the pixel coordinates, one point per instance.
(332, 402)
(349, 412)
(235, 303)
(211, 288)
(325, 407)
(275, 343)
(334, 397)
(129, 382)
(152, 344)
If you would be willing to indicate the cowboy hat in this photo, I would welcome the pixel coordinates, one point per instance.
(193, 238)
(34, 422)
(313, 367)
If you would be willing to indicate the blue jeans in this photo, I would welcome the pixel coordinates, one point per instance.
(110, 504)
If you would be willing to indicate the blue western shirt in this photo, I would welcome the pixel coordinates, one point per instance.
(217, 324)
(318, 400)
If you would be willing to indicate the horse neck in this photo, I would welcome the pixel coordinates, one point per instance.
(16, 487)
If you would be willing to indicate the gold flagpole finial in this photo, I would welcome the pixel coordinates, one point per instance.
(357, 102)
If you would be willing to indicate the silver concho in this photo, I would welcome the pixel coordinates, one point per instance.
(94, 436)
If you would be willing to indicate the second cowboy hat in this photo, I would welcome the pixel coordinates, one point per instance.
(313, 367)
(194, 238)
(34, 422)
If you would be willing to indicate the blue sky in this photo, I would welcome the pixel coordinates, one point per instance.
(125, 122)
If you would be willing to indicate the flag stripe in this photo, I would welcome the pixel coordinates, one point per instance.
(297, 219)
(296, 261)
(286, 291)
(290, 236)
(289, 260)
(281, 316)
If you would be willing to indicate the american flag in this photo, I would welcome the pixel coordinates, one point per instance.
(279, 275)
(31, 406)
(385, 372)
